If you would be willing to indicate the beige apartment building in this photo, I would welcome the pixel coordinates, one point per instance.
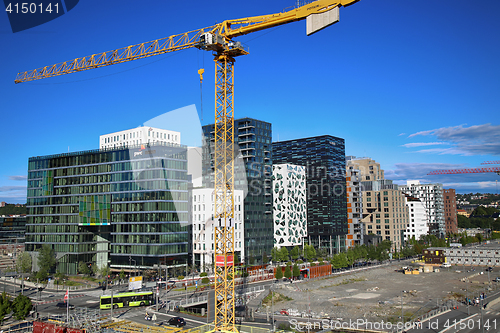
(385, 212)
(369, 169)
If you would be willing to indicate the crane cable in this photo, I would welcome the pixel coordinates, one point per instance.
(200, 72)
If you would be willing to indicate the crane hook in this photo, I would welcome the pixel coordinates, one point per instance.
(200, 72)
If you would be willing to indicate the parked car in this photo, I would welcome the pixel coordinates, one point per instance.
(63, 305)
(497, 279)
(177, 321)
(489, 269)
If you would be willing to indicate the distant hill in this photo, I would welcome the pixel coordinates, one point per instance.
(11, 209)
(479, 198)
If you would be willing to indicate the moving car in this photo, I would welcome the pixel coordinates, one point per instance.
(177, 321)
(63, 305)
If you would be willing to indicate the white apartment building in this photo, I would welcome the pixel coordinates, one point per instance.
(139, 136)
(202, 212)
(289, 204)
(417, 222)
(431, 196)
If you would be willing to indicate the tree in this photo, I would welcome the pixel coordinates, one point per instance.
(309, 252)
(279, 273)
(42, 275)
(122, 274)
(46, 258)
(104, 271)
(60, 276)
(296, 271)
(294, 253)
(24, 263)
(288, 272)
(5, 306)
(83, 268)
(284, 254)
(21, 306)
(275, 254)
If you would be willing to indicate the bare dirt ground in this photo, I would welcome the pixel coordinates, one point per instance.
(377, 293)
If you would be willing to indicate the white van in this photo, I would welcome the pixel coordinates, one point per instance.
(446, 265)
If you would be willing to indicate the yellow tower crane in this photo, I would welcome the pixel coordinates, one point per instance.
(218, 39)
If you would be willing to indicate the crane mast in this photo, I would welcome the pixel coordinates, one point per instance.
(218, 39)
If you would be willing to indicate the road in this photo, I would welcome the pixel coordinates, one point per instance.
(465, 320)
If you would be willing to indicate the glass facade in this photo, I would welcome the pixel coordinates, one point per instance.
(120, 206)
(254, 174)
(324, 160)
(12, 230)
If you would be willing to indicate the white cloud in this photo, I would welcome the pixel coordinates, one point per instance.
(405, 171)
(474, 140)
(13, 194)
(462, 183)
(18, 177)
(422, 144)
(12, 188)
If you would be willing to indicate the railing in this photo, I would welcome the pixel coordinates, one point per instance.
(172, 305)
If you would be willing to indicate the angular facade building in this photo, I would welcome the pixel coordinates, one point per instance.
(289, 204)
(431, 196)
(125, 208)
(253, 173)
(324, 160)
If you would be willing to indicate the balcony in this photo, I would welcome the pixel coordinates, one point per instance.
(240, 135)
(247, 148)
(246, 126)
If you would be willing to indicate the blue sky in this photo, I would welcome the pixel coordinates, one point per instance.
(414, 86)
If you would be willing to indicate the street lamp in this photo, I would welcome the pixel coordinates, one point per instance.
(272, 304)
(130, 264)
(402, 314)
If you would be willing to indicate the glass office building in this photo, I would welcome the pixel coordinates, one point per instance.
(324, 160)
(253, 174)
(12, 229)
(126, 207)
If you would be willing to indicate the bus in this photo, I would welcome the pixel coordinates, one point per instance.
(127, 299)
